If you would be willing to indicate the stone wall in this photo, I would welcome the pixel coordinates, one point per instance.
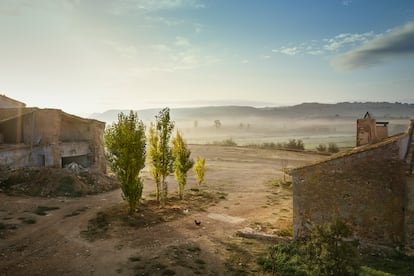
(366, 189)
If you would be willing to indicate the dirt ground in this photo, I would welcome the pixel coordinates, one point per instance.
(53, 239)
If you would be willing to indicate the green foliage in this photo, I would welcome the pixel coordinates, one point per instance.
(291, 144)
(182, 162)
(199, 169)
(126, 150)
(333, 148)
(329, 251)
(321, 147)
(368, 271)
(284, 259)
(295, 144)
(162, 158)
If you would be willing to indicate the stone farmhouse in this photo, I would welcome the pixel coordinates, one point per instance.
(370, 187)
(34, 137)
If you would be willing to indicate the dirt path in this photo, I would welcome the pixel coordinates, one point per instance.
(53, 244)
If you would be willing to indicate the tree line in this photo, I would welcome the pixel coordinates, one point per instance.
(128, 147)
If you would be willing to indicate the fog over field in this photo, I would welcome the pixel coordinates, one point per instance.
(313, 123)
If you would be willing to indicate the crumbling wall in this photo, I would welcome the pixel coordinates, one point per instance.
(12, 131)
(365, 189)
(22, 156)
(98, 146)
(78, 130)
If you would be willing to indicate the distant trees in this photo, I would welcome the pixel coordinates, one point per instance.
(217, 123)
(199, 169)
(332, 148)
(182, 162)
(295, 144)
(126, 150)
(321, 147)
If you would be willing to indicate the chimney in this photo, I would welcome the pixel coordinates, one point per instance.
(369, 131)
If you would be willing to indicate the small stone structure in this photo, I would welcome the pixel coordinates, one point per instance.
(370, 187)
(370, 131)
(33, 137)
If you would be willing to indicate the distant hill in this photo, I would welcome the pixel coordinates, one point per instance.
(379, 110)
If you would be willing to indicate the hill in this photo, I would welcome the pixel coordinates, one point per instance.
(379, 110)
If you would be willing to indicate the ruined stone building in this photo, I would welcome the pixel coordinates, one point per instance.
(34, 137)
(370, 187)
(6, 102)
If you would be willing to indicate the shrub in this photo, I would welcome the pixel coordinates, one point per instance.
(284, 259)
(333, 148)
(228, 143)
(321, 147)
(295, 144)
(329, 251)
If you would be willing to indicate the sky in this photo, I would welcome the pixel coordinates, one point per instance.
(86, 56)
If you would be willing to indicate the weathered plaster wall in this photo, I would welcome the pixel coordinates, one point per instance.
(12, 131)
(98, 146)
(366, 189)
(73, 129)
(21, 156)
(50, 134)
(42, 127)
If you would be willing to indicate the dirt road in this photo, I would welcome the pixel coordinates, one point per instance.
(53, 244)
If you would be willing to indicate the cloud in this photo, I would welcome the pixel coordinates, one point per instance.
(121, 7)
(345, 39)
(346, 2)
(290, 51)
(327, 45)
(395, 43)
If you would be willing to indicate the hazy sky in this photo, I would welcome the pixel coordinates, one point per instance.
(87, 56)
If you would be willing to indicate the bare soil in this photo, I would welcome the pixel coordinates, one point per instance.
(94, 235)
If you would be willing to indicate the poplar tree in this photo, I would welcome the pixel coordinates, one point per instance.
(161, 159)
(182, 162)
(154, 158)
(126, 150)
(199, 169)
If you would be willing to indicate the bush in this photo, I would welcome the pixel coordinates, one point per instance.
(329, 251)
(295, 144)
(228, 143)
(333, 148)
(321, 147)
(284, 259)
